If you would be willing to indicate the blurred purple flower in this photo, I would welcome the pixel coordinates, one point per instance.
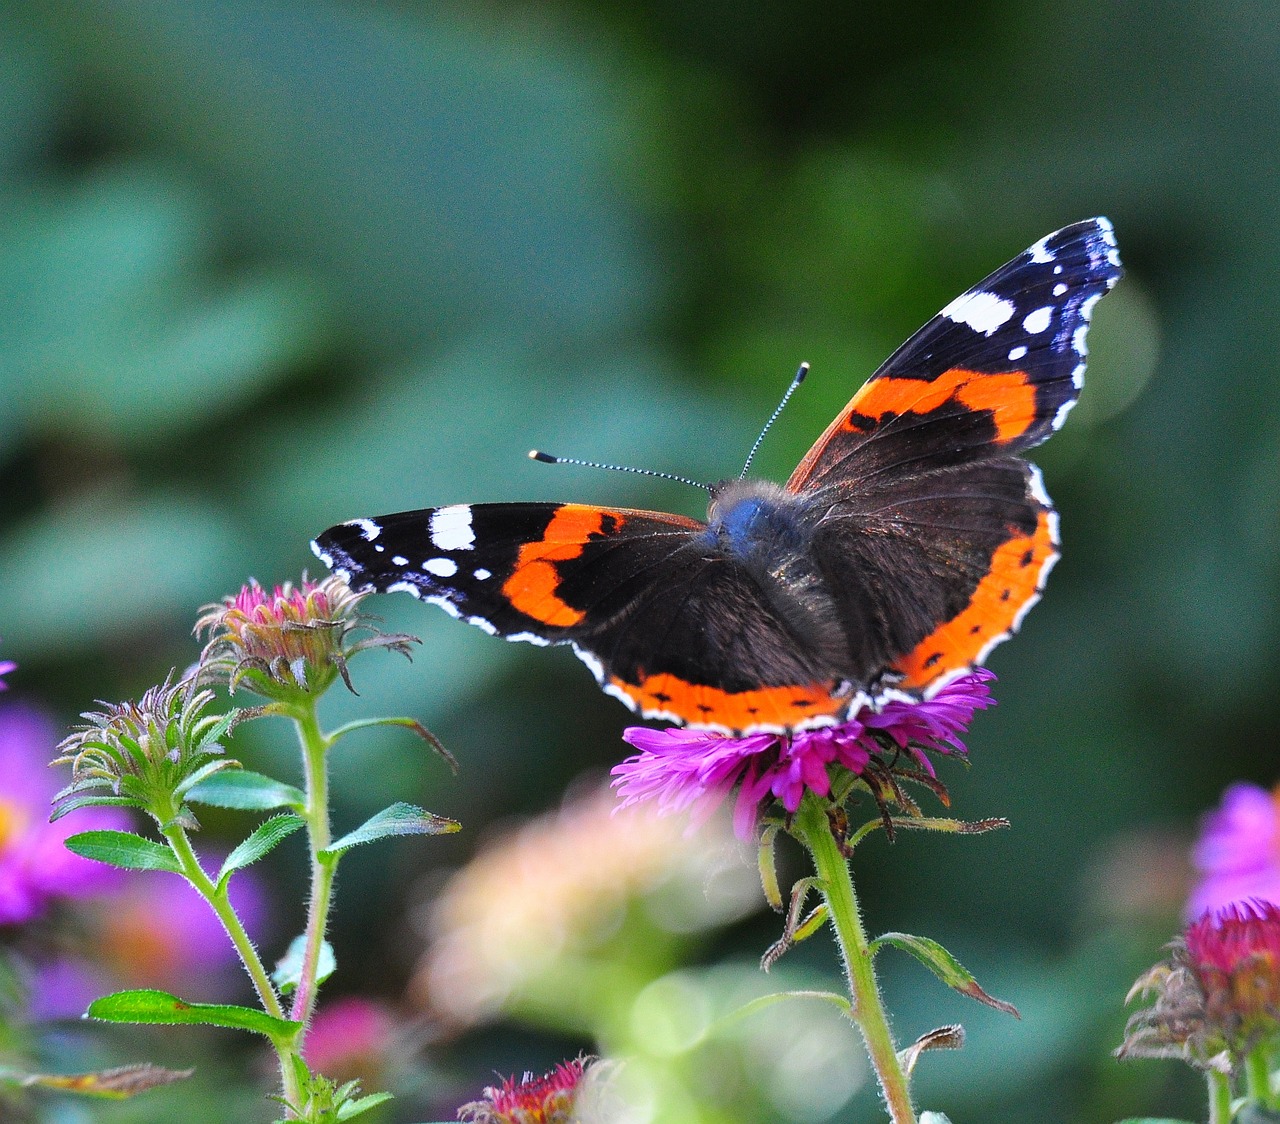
(35, 867)
(158, 932)
(681, 769)
(6, 666)
(1238, 852)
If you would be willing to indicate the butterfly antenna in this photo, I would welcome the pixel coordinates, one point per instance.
(795, 382)
(547, 458)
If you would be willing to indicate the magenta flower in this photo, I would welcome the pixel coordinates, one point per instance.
(1238, 852)
(6, 666)
(548, 1099)
(1217, 995)
(696, 770)
(35, 867)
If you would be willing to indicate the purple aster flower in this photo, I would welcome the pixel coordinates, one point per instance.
(35, 867)
(1238, 852)
(696, 770)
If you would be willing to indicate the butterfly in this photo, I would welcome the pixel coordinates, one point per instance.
(911, 539)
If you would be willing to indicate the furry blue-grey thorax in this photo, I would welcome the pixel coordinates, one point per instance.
(747, 518)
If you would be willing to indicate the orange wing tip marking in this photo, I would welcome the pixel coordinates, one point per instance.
(533, 584)
(1010, 397)
(1001, 600)
(766, 708)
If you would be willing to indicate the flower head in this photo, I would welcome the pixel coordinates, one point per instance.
(147, 754)
(1218, 994)
(1238, 852)
(682, 769)
(548, 1099)
(35, 867)
(289, 641)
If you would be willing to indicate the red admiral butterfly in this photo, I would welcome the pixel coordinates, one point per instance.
(910, 540)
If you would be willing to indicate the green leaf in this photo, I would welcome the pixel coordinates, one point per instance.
(288, 969)
(399, 819)
(246, 792)
(159, 1008)
(364, 1104)
(943, 965)
(263, 840)
(123, 849)
(116, 1084)
(89, 800)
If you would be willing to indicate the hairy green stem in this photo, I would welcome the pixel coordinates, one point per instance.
(1219, 1098)
(315, 748)
(235, 930)
(1257, 1070)
(811, 826)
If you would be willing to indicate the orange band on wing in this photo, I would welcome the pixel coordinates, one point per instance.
(1000, 598)
(533, 585)
(700, 705)
(1010, 397)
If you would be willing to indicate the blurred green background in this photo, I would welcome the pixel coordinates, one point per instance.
(267, 266)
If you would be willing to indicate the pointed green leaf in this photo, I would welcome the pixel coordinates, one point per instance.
(123, 849)
(288, 969)
(202, 774)
(159, 1008)
(354, 1108)
(90, 800)
(943, 965)
(250, 850)
(246, 792)
(399, 819)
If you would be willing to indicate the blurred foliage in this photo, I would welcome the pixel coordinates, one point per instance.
(265, 266)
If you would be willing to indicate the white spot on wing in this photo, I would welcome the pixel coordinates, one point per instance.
(983, 312)
(399, 560)
(1017, 353)
(441, 567)
(451, 528)
(1040, 251)
(482, 574)
(1060, 289)
(323, 555)
(1038, 321)
(367, 527)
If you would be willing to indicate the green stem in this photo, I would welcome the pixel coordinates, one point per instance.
(811, 826)
(1257, 1072)
(1219, 1098)
(221, 906)
(315, 747)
